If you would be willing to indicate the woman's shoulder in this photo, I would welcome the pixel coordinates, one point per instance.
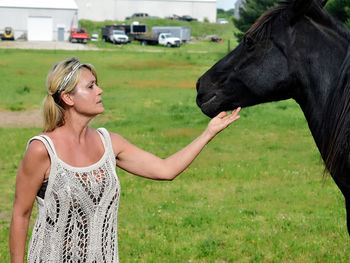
(115, 136)
(119, 143)
(37, 149)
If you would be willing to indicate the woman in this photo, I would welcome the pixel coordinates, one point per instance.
(70, 170)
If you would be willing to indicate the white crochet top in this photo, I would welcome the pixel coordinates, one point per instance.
(77, 219)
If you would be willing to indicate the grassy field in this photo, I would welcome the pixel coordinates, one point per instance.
(255, 194)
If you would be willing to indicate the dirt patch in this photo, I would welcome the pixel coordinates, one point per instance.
(33, 119)
(30, 118)
(153, 64)
(50, 45)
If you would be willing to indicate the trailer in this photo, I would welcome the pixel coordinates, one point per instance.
(182, 32)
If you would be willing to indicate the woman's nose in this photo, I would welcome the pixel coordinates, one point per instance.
(99, 90)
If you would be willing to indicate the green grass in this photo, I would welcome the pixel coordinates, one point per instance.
(255, 194)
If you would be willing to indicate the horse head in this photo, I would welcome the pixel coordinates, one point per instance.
(272, 60)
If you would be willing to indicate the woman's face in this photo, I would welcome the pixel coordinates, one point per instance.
(87, 95)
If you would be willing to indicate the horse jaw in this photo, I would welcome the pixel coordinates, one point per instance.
(215, 101)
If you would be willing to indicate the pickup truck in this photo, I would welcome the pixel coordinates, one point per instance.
(116, 36)
(79, 35)
(165, 39)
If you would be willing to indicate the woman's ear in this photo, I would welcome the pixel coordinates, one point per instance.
(67, 98)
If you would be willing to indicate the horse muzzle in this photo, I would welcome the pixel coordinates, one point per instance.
(207, 99)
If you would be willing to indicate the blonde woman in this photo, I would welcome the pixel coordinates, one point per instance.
(70, 170)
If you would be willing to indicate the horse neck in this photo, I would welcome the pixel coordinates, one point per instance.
(319, 87)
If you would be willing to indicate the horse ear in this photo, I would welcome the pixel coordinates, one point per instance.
(300, 7)
(323, 2)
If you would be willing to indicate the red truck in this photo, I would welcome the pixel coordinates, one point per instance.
(78, 35)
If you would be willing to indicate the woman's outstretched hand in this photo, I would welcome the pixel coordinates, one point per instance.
(222, 121)
(145, 164)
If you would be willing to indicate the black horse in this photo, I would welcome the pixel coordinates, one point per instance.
(295, 50)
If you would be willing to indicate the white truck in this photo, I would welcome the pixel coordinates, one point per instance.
(165, 39)
(116, 36)
(182, 32)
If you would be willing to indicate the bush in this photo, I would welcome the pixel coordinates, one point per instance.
(252, 10)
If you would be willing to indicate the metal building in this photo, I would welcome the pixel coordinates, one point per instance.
(100, 10)
(44, 20)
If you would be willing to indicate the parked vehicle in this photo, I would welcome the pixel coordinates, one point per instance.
(184, 33)
(165, 39)
(132, 30)
(188, 18)
(78, 35)
(94, 37)
(216, 39)
(173, 17)
(8, 34)
(112, 34)
(222, 21)
(138, 15)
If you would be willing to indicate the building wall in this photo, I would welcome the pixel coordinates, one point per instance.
(17, 18)
(120, 9)
(96, 10)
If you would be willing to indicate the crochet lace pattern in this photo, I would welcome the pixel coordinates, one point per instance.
(77, 219)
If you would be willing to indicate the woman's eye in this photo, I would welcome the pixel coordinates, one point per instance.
(91, 86)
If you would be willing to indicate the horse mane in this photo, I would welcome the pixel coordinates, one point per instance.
(336, 115)
(336, 123)
(261, 29)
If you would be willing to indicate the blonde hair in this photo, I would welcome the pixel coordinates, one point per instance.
(63, 77)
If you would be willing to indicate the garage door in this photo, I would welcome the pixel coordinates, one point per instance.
(40, 28)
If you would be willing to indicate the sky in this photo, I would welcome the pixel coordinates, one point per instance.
(225, 4)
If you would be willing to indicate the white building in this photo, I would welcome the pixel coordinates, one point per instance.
(39, 19)
(100, 10)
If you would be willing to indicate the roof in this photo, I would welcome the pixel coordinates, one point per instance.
(47, 4)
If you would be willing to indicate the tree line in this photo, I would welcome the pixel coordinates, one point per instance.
(253, 9)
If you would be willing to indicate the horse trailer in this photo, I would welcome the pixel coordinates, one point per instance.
(182, 32)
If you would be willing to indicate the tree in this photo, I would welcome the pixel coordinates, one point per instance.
(251, 11)
(339, 9)
(221, 13)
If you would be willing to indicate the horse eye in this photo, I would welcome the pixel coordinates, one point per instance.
(249, 43)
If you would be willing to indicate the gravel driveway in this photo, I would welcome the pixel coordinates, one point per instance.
(52, 45)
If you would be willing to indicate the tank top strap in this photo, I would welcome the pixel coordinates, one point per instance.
(108, 144)
(48, 145)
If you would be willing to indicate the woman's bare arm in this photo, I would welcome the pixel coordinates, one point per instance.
(30, 176)
(145, 164)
